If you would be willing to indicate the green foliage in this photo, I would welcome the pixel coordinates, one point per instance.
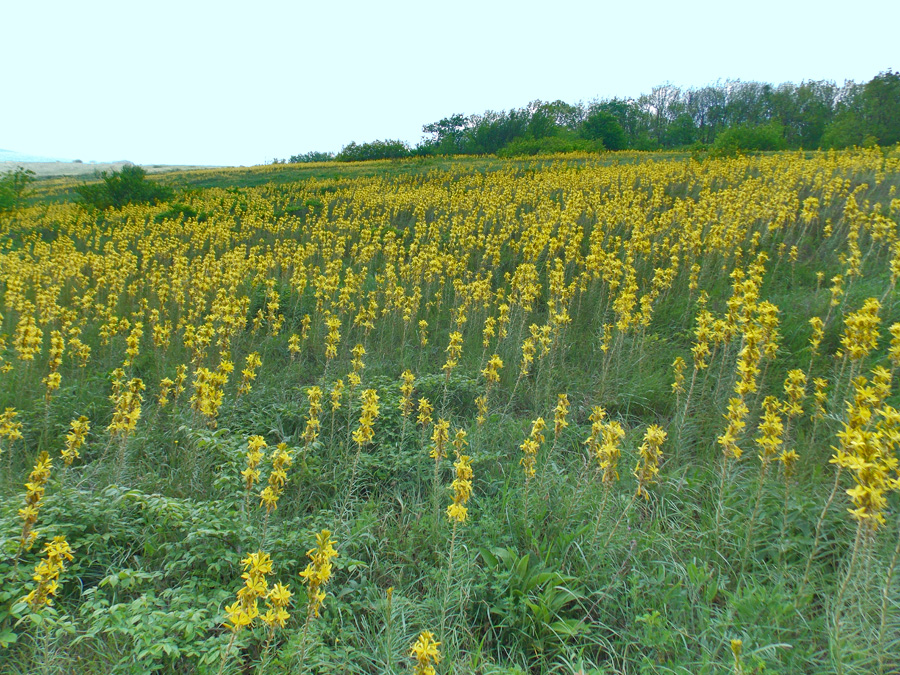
(118, 188)
(743, 139)
(362, 152)
(311, 157)
(529, 603)
(882, 107)
(176, 212)
(549, 145)
(604, 127)
(14, 187)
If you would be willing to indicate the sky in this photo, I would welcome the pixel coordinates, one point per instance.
(243, 83)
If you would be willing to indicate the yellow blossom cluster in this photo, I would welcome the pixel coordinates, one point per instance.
(406, 393)
(364, 434)
(34, 493)
(75, 439)
(281, 462)
(311, 432)
(240, 614)
(10, 429)
(531, 446)
(248, 374)
(47, 571)
(426, 654)
(318, 571)
(649, 455)
(462, 483)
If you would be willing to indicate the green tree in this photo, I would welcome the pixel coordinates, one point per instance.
(118, 188)
(881, 105)
(13, 188)
(603, 126)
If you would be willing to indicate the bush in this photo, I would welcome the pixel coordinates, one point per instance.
(310, 157)
(548, 146)
(375, 150)
(745, 138)
(128, 186)
(603, 126)
(13, 185)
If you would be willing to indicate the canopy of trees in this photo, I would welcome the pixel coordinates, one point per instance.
(730, 116)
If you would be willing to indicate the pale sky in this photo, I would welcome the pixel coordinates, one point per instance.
(197, 82)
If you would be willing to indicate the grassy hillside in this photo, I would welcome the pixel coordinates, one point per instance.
(616, 414)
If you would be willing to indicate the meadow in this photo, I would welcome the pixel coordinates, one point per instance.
(618, 413)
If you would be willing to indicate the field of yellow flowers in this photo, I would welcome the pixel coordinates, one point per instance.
(628, 414)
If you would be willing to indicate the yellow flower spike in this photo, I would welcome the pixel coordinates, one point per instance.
(318, 571)
(241, 614)
(462, 483)
(406, 391)
(678, 369)
(439, 438)
(426, 654)
(649, 454)
(248, 374)
(560, 413)
(75, 439)
(47, 573)
(37, 480)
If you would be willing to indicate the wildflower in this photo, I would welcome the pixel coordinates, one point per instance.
(737, 413)
(255, 446)
(491, 372)
(311, 432)
(406, 391)
(128, 409)
(365, 434)
(560, 413)
(425, 412)
(818, 333)
(37, 480)
(649, 454)
(294, 345)
(75, 439)
(277, 601)
(462, 488)
(256, 567)
(47, 571)
(795, 389)
(770, 431)
(248, 374)
(426, 654)
(439, 438)
(454, 350)
(337, 393)
(678, 367)
(530, 447)
(318, 572)
(9, 428)
(481, 405)
(281, 462)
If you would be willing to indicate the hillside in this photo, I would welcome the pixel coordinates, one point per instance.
(615, 413)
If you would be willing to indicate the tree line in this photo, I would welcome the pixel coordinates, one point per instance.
(726, 117)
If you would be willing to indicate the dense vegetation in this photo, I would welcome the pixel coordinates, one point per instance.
(600, 414)
(725, 118)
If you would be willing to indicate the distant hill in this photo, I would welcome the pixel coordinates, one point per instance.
(13, 156)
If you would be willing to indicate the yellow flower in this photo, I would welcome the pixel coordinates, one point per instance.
(426, 654)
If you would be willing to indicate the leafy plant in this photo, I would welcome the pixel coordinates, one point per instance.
(118, 188)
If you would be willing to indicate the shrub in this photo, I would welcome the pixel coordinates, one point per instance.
(13, 185)
(746, 138)
(312, 156)
(375, 150)
(548, 146)
(128, 186)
